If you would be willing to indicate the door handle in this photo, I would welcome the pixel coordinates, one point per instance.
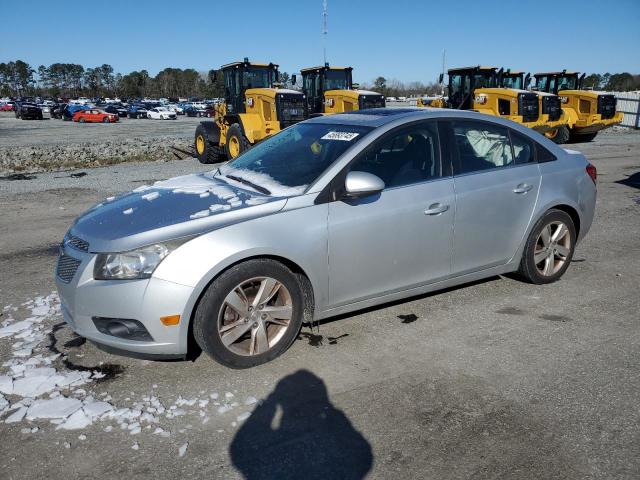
(436, 209)
(522, 188)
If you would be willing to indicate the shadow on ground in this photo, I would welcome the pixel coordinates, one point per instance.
(297, 433)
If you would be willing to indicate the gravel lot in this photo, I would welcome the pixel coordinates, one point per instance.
(497, 379)
(45, 145)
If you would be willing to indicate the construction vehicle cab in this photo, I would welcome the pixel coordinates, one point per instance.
(589, 111)
(254, 108)
(331, 90)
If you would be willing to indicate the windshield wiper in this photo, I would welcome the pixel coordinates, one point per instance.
(251, 184)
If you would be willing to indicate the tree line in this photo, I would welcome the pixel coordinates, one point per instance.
(18, 78)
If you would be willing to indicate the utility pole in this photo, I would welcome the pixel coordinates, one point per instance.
(444, 53)
(324, 29)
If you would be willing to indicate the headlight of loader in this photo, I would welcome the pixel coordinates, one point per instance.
(135, 264)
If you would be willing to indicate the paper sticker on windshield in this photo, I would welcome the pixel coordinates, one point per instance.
(344, 136)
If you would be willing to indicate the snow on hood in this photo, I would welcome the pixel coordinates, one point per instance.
(172, 208)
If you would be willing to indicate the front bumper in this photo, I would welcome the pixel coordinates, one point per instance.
(595, 123)
(144, 300)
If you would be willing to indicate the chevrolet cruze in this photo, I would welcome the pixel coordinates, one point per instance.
(331, 215)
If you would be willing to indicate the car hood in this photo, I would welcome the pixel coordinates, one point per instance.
(175, 208)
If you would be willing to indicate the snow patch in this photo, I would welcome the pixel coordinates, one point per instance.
(128, 211)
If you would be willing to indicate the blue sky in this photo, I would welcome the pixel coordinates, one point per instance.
(396, 39)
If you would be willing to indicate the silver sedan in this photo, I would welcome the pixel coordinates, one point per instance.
(331, 215)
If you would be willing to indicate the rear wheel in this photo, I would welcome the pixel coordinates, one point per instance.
(560, 135)
(549, 249)
(250, 314)
(207, 151)
(81, 120)
(105, 120)
(237, 143)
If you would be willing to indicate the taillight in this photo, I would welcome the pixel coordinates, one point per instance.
(592, 172)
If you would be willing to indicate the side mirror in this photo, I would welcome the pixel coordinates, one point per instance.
(441, 78)
(362, 184)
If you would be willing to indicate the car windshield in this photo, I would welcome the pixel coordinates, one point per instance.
(336, 80)
(287, 163)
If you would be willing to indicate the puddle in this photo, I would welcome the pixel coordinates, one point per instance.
(511, 311)
(18, 176)
(410, 318)
(555, 318)
(109, 370)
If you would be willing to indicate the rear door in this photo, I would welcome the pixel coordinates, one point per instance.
(496, 184)
(400, 238)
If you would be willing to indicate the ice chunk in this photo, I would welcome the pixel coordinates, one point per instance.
(250, 400)
(183, 449)
(39, 372)
(16, 416)
(151, 196)
(76, 421)
(59, 407)
(3, 403)
(224, 409)
(35, 386)
(82, 436)
(256, 201)
(6, 384)
(95, 409)
(228, 395)
(135, 446)
(142, 188)
(40, 311)
(15, 328)
(128, 211)
(243, 416)
(200, 214)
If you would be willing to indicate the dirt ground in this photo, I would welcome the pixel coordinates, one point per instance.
(497, 379)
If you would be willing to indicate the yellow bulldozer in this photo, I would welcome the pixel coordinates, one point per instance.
(479, 88)
(254, 108)
(551, 112)
(589, 111)
(331, 90)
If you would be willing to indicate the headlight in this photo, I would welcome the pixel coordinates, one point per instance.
(135, 264)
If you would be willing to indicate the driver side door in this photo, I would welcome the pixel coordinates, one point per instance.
(400, 238)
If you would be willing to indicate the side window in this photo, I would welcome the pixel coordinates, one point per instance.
(480, 146)
(544, 155)
(523, 149)
(403, 157)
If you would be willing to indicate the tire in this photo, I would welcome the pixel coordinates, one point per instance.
(559, 136)
(207, 151)
(583, 138)
(82, 120)
(213, 312)
(237, 143)
(105, 120)
(17, 114)
(558, 263)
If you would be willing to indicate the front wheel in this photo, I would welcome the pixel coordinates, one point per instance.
(237, 143)
(549, 249)
(250, 314)
(105, 120)
(81, 120)
(559, 136)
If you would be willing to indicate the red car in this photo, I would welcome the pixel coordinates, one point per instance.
(6, 107)
(94, 116)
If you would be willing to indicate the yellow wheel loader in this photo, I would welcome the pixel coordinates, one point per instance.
(589, 111)
(331, 90)
(254, 108)
(479, 89)
(552, 115)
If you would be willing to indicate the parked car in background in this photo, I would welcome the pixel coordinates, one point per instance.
(161, 113)
(332, 215)
(28, 110)
(137, 110)
(175, 108)
(116, 109)
(193, 111)
(46, 110)
(71, 109)
(95, 115)
(7, 107)
(56, 110)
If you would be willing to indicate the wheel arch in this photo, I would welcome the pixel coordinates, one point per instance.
(308, 288)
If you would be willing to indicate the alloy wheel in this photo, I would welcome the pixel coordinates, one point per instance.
(254, 316)
(552, 248)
